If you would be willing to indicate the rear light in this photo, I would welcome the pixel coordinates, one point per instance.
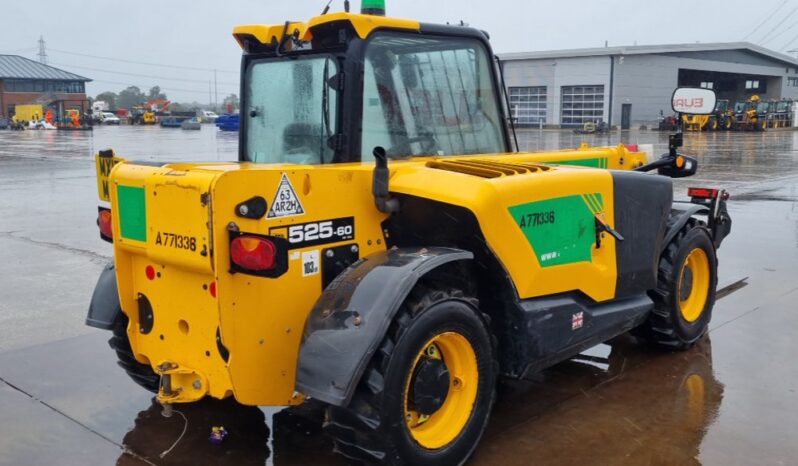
(253, 253)
(702, 193)
(105, 222)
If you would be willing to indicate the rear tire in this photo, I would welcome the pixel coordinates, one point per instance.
(685, 294)
(142, 374)
(384, 421)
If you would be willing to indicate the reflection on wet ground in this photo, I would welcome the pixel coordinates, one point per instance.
(533, 419)
(733, 399)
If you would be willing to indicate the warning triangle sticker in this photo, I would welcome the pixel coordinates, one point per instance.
(286, 202)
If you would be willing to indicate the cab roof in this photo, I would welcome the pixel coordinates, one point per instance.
(363, 26)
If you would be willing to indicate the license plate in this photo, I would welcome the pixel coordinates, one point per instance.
(105, 162)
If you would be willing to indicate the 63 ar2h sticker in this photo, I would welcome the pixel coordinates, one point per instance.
(286, 202)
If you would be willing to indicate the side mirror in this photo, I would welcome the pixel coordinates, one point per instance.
(679, 166)
(693, 100)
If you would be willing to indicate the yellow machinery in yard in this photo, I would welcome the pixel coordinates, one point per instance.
(750, 115)
(142, 116)
(779, 114)
(28, 112)
(697, 122)
(722, 118)
(382, 247)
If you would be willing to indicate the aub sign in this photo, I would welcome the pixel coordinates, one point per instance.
(695, 101)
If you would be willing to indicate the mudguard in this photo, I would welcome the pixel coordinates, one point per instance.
(104, 306)
(348, 322)
(680, 214)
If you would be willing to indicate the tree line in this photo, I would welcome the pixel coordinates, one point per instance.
(133, 96)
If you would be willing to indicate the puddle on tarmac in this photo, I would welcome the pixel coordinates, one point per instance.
(623, 403)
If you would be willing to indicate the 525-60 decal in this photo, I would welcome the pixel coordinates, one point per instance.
(300, 235)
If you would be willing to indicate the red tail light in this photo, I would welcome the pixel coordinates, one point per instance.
(702, 193)
(105, 222)
(253, 253)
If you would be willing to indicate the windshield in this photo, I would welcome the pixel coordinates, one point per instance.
(762, 107)
(291, 111)
(429, 96)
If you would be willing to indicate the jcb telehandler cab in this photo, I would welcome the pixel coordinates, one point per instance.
(381, 248)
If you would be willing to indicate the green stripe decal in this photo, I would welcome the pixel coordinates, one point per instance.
(560, 230)
(595, 163)
(591, 203)
(598, 204)
(132, 212)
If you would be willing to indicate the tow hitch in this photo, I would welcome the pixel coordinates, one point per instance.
(179, 385)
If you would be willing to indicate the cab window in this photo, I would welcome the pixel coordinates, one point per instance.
(291, 110)
(429, 96)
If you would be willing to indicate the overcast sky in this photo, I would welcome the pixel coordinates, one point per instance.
(196, 33)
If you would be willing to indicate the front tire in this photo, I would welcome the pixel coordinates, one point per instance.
(427, 393)
(685, 294)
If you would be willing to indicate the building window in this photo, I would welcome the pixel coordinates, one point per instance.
(707, 84)
(32, 85)
(752, 84)
(581, 104)
(792, 82)
(528, 105)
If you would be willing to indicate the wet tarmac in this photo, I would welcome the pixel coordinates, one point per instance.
(733, 399)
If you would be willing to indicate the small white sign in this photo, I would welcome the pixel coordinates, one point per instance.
(286, 202)
(310, 263)
(695, 101)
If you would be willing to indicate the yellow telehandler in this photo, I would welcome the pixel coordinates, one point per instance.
(382, 247)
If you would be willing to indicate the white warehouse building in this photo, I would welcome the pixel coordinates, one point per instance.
(630, 86)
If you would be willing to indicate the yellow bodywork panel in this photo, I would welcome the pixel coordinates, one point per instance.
(172, 228)
(262, 319)
(490, 200)
(363, 25)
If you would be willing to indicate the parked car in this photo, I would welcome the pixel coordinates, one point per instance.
(192, 124)
(208, 116)
(228, 122)
(108, 118)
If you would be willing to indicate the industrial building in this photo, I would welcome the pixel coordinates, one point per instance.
(630, 86)
(24, 81)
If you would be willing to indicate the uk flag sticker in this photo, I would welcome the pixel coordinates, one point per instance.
(577, 320)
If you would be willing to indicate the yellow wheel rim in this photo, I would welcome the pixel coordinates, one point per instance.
(693, 285)
(444, 425)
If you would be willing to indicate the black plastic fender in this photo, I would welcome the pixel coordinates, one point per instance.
(104, 306)
(345, 327)
(680, 214)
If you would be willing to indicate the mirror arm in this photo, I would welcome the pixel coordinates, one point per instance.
(662, 162)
